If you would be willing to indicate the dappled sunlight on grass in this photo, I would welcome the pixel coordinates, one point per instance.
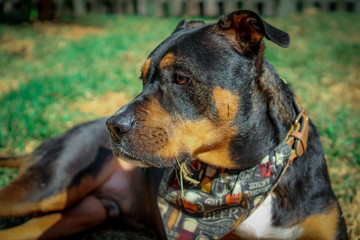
(104, 106)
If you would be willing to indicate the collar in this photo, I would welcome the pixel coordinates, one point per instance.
(298, 134)
(210, 202)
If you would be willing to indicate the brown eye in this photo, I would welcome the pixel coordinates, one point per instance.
(180, 79)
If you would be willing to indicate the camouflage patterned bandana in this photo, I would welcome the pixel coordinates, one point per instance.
(222, 199)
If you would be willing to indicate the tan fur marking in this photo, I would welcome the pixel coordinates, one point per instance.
(146, 67)
(321, 226)
(227, 105)
(12, 162)
(32, 229)
(27, 163)
(167, 61)
(205, 139)
(19, 207)
(14, 198)
(57, 202)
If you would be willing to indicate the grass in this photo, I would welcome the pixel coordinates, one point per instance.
(55, 71)
(46, 68)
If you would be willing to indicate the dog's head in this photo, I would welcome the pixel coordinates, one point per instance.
(199, 99)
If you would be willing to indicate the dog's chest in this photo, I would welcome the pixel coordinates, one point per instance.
(259, 225)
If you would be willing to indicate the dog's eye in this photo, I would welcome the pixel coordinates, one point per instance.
(180, 79)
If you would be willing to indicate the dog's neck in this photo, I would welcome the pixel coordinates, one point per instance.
(217, 199)
(269, 118)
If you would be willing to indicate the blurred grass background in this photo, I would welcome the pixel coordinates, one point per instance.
(56, 75)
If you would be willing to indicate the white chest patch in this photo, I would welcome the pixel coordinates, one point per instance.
(259, 225)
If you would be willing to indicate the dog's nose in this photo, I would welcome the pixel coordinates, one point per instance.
(118, 125)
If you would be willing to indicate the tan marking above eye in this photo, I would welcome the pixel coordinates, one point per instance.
(167, 60)
(145, 68)
(204, 139)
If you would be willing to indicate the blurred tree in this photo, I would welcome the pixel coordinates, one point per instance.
(46, 10)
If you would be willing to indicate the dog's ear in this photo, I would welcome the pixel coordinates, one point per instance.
(247, 29)
(183, 24)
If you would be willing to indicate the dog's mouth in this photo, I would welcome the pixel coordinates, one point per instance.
(132, 159)
(145, 161)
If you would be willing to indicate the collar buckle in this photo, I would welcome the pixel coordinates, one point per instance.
(298, 134)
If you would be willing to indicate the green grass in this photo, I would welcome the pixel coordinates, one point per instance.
(60, 71)
(54, 71)
(324, 57)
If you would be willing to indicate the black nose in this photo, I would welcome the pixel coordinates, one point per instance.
(118, 125)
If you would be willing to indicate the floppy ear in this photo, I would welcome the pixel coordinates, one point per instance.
(183, 25)
(247, 29)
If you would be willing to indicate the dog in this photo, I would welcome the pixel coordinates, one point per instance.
(223, 146)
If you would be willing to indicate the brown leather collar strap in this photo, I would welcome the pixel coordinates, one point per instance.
(298, 135)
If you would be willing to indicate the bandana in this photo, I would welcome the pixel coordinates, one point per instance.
(211, 202)
(222, 199)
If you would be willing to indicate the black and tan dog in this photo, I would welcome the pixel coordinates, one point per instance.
(213, 116)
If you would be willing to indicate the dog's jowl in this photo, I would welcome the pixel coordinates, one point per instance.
(225, 148)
